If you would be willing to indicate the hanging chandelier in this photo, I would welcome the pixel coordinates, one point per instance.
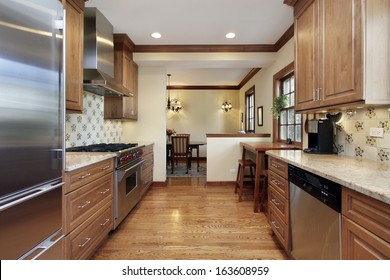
(172, 104)
(169, 94)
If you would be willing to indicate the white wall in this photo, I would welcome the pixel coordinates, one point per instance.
(223, 155)
(151, 117)
(263, 82)
(201, 113)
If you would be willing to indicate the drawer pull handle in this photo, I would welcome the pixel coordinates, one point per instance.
(105, 191)
(275, 165)
(85, 242)
(85, 176)
(274, 223)
(275, 202)
(105, 167)
(105, 222)
(84, 205)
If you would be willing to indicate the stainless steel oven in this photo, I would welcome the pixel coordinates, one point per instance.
(128, 163)
(127, 192)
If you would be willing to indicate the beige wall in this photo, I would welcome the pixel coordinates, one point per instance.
(263, 82)
(201, 113)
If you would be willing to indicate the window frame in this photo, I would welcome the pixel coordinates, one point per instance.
(250, 93)
(278, 79)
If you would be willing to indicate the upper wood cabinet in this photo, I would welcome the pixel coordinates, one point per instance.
(341, 53)
(74, 54)
(126, 71)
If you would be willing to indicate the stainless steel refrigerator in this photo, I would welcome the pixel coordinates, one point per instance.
(31, 128)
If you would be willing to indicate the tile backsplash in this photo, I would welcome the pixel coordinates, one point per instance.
(90, 127)
(353, 134)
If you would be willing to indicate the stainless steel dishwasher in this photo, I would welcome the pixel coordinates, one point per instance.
(315, 206)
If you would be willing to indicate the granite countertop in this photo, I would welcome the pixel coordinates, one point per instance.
(75, 160)
(365, 176)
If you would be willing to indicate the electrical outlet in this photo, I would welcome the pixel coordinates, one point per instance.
(376, 132)
(233, 170)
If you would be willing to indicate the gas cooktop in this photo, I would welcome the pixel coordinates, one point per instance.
(103, 147)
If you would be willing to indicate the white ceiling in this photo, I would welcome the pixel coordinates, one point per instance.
(200, 22)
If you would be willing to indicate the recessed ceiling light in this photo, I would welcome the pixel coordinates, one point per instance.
(156, 35)
(230, 35)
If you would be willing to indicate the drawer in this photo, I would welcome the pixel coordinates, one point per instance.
(278, 166)
(279, 203)
(148, 161)
(83, 241)
(360, 244)
(279, 183)
(279, 228)
(368, 212)
(147, 149)
(82, 203)
(147, 174)
(79, 177)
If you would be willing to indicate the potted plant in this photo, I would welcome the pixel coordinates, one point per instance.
(280, 102)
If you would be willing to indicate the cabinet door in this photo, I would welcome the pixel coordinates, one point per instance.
(340, 47)
(306, 58)
(360, 244)
(74, 56)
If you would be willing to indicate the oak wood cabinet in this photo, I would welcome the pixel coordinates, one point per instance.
(125, 72)
(278, 200)
(147, 169)
(74, 54)
(365, 227)
(87, 208)
(341, 53)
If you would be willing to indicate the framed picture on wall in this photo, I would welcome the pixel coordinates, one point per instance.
(260, 116)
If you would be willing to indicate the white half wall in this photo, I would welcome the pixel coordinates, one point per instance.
(223, 155)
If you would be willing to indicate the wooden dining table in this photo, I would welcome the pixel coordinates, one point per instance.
(259, 149)
(193, 145)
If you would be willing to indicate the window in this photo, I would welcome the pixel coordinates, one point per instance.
(289, 124)
(250, 110)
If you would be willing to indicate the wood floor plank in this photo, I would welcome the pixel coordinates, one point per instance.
(191, 221)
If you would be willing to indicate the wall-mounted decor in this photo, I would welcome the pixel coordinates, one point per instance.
(260, 116)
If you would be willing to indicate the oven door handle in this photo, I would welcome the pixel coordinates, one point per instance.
(134, 166)
(123, 172)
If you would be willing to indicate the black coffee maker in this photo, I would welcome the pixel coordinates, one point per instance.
(320, 134)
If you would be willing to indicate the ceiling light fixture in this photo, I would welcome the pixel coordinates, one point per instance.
(226, 107)
(230, 35)
(156, 35)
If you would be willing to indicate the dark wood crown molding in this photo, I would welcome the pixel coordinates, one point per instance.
(204, 48)
(204, 87)
(285, 38)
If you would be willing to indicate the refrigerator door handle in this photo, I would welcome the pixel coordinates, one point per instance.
(27, 195)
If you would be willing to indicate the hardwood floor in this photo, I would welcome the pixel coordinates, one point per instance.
(190, 221)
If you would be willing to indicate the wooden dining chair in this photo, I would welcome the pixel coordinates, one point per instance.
(180, 150)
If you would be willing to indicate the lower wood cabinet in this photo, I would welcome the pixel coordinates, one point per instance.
(278, 201)
(87, 208)
(147, 169)
(365, 227)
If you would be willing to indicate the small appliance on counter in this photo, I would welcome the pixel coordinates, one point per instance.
(320, 136)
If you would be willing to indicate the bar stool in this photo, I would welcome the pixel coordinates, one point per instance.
(241, 174)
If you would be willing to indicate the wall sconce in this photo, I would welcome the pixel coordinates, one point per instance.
(175, 105)
(226, 106)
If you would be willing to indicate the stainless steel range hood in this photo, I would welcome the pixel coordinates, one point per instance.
(99, 56)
